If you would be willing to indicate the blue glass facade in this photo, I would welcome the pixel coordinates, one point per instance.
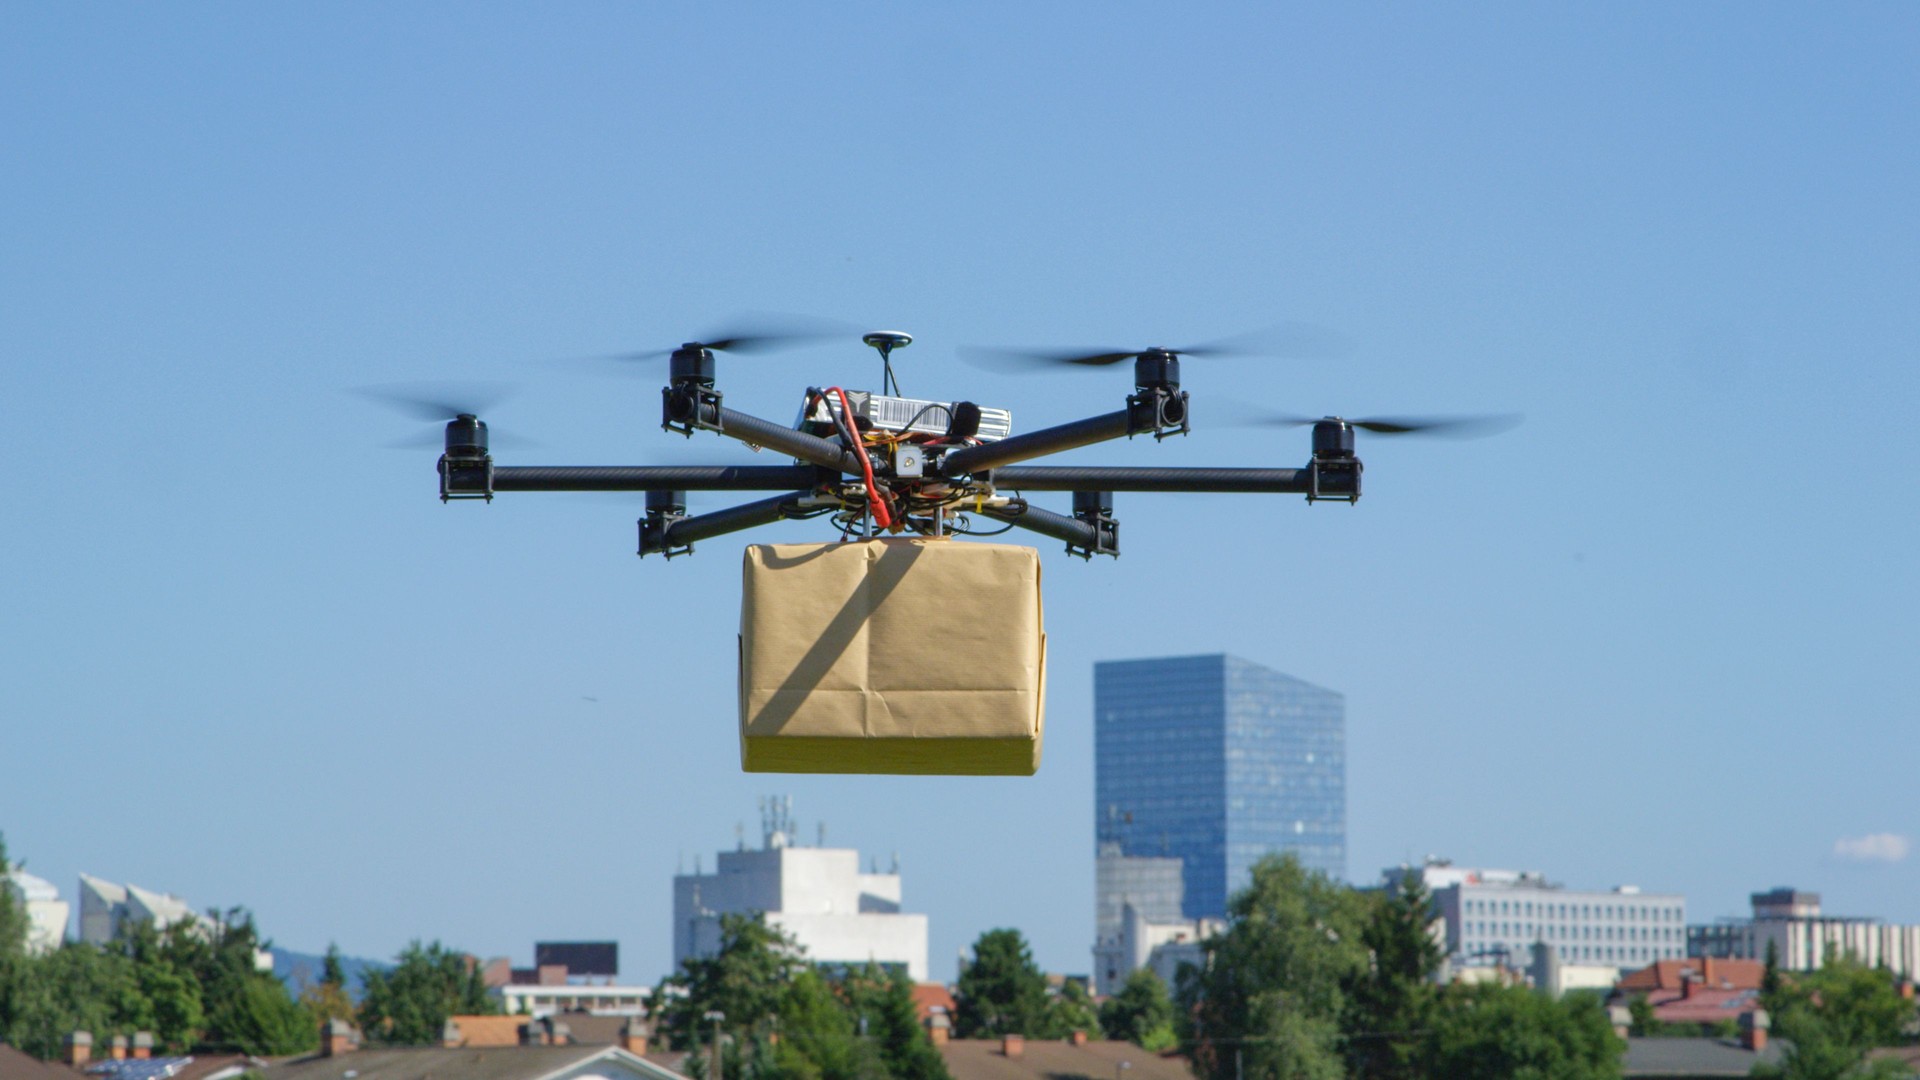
(1218, 761)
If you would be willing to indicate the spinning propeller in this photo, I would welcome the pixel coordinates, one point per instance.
(760, 335)
(454, 404)
(1446, 427)
(1290, 340)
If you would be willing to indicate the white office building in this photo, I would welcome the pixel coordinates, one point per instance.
(817, 895)
(47, 914)
(1495, 917)
(108, 910)
(1803, 939)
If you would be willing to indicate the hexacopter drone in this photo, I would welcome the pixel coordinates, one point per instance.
(883, 463)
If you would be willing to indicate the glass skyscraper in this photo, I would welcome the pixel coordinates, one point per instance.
(1218, 761)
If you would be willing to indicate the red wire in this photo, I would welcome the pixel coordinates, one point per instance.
(879, 506)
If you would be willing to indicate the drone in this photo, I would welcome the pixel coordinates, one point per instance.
(881, 464)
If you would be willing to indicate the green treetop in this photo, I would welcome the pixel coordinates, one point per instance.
(745, 980)
(1141, 1013)
(1833, 1017)
(1269, 1002)
(1002, 992)
(410, 1004)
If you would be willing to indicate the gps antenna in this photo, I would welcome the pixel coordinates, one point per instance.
(886, 341)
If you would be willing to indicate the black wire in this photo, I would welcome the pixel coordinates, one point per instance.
(924, 410)
(971, 531)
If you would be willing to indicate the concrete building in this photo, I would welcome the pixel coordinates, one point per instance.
(818, 895)
(1495, 917)
(47, 914)
(106, 910)
(1803, 938)
(1138, 921)
(1137, 943)
(598, 999)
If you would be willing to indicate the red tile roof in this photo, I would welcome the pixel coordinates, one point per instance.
(1705, 1006)
(928, 995)
(1707, 970)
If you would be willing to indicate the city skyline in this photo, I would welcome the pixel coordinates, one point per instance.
(252, 658)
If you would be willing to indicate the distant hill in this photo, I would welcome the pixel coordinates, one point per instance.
(301, 970)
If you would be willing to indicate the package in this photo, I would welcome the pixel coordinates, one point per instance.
(921, 656)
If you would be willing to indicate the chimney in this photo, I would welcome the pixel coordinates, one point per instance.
(1621, 1019)
(1012, 1046)
(78, 1047)
(450, 1036)
(117, 1047)
(633, 1037)
(1078, 1038)
(142, 1045)
(336, 1038)
(1906, 989)
(1753, 1030)
(552, 974)
(939, 1028)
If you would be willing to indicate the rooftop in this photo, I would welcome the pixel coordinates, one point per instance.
(982, 1059)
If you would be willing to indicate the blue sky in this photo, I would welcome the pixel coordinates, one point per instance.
(1655, 635)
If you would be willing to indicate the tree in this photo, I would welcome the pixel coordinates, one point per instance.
(410, 1005)
(1642, 1023)
(1069, 1011)
(1141, 1013)
(332, 971)
(78, 987)
(1393, 1001)
(745, 979)
(882, 1004)
(1269, 1001)
(13, 949)
(1834, 1016)
(1770, 976)
(165, 966)
(248, 1010)
(1494, 1032)
(1002, 992)
(328, 999)
(819, 1038)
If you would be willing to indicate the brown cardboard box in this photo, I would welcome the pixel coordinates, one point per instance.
(892, 656)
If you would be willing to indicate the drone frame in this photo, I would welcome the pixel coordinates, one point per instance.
(959, 474)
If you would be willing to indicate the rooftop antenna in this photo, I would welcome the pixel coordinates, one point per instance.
(885, 341)
(739, 836)
(896, 863)
(823, 835)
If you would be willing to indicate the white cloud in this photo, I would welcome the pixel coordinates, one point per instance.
(1879, 847)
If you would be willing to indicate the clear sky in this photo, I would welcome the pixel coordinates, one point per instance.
(1656, 635)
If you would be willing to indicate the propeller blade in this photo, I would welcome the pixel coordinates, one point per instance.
(1288, 340)
(757, 334)
(998, 359)
(438, 401)
(1283, 340)
(1445, 427)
